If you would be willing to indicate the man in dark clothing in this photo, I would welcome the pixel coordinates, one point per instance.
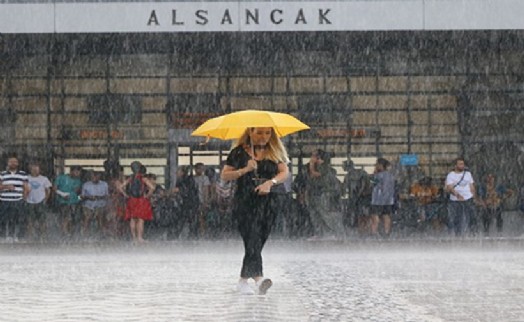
(357, 186)
(187, 192)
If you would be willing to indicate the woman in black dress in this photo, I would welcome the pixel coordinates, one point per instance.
(258, 163)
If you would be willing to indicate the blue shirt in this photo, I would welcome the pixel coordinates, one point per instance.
(99, 189)
(384, 189)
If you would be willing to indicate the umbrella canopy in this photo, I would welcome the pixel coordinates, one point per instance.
(233, 125)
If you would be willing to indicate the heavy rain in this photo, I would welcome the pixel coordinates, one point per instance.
(375, 169)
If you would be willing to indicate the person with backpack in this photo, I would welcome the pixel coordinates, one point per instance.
(137, 189)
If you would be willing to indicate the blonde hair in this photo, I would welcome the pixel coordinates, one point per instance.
(275, 151)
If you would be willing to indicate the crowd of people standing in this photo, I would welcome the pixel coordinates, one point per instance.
(374, 204)
(91, 205)
(86, 205)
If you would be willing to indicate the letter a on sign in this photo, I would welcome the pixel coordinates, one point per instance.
(153, 19)
(226, 18)
(301, 18)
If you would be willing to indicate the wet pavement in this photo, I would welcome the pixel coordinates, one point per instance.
(353, 280)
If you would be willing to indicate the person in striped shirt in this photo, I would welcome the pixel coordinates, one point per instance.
(13, 190)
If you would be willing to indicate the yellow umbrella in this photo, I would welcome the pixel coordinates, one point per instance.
(233, 125)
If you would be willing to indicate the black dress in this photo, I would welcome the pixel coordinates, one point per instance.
(254, 213)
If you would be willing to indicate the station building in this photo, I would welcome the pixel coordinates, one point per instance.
(85, 82)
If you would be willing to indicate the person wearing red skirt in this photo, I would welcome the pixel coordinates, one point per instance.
(137, 189)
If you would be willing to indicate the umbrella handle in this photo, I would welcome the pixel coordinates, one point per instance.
(255, 171)
(206, 141)
(252, 155)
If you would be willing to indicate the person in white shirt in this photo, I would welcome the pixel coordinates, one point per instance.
(461, 208)
(37, 203)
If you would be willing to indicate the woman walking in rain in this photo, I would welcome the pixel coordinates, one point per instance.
(258, 163)
(137, 189)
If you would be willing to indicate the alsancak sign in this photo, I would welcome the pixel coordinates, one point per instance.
(202, 16)
(252, 16)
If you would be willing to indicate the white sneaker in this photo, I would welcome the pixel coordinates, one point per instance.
(245, 289)
(264, 285)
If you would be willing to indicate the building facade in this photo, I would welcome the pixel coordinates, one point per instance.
(66, 97)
